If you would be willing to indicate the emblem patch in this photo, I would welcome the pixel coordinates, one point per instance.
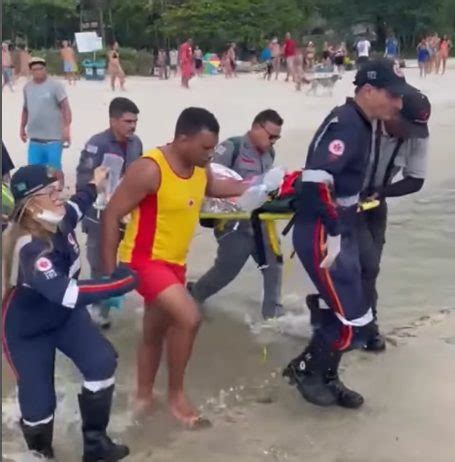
(43, 264)
(336, 147)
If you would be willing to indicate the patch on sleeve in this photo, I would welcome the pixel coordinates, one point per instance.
(43, 264)
(220, 149)
(91, 148)
(337, 147)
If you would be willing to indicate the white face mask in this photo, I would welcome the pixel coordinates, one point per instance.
(49, 217)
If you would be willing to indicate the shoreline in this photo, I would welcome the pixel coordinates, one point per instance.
(408, 390)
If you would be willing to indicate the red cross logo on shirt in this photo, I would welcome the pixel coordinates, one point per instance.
(336, 147)
(43, 264)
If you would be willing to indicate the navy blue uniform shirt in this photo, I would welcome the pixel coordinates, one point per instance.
(341, 147)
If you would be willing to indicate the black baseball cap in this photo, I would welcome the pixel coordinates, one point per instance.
(415, 114)
(30, 179)
(383, 73)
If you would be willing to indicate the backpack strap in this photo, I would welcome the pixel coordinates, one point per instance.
(391, 163)
(237, 143)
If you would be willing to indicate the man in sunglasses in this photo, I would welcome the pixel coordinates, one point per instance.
(248, 155)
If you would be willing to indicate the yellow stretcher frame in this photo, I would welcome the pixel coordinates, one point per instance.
(269, 220)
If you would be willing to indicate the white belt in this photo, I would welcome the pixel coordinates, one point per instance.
(348, 201)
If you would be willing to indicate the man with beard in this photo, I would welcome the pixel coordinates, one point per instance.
(164, 191)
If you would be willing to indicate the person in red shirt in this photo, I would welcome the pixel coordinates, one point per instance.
(289, 50)
(186, 62)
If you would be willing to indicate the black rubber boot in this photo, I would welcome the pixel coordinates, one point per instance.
(345, 397)
(39, 438)
(318, 316)
(306, 373)
(312, 302)
(376, 342)
(315, 374)
(95, 411)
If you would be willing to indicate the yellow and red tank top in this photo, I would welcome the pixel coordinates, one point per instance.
(163, 224)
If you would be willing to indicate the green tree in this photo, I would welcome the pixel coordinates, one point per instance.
(39, 22)
(408, 19)
(214, 23)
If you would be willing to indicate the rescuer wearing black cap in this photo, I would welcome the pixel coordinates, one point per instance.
(400, 145)
(324, 232)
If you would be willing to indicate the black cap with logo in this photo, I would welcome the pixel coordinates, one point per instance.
(415, 114)
(30, 179)
(383, 73)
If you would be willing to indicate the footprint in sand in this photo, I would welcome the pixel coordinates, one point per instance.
(411, 329)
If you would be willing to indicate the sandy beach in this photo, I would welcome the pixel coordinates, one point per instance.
(409, 414)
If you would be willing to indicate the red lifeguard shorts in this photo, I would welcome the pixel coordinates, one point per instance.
(156, 276)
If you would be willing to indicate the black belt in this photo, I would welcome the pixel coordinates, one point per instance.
(39, 140)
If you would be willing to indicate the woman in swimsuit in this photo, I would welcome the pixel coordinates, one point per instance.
(423, 57)
(114, 68)
(444, 50)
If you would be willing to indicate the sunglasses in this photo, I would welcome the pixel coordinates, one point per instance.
(272, 137)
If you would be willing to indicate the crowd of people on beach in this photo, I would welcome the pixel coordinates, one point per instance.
(433, 52)
(339, 215)
(296, 59)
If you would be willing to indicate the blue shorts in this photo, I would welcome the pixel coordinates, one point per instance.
(68, 66)
(45, 153)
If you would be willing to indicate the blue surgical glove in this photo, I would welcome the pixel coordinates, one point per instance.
(115, 303)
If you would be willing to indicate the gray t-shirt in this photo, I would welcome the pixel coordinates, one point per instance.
(42, 101)
(411, 159)
(248, 162)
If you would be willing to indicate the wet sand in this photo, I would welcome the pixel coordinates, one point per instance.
(409, 413)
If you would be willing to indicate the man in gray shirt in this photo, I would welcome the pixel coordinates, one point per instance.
(248, 155)
(119, 140)
(401, 145)
(46, 117)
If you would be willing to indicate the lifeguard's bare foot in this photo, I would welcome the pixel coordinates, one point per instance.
(143, 404)
(186, 413)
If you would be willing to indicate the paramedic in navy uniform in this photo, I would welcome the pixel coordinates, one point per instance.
(44, 309)
(324, 232)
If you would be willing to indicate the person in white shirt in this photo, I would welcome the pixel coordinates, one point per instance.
(363, 48)
(173, 61)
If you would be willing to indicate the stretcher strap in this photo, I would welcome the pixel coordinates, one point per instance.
(258, 240)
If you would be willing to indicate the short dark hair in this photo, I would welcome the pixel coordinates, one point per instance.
(120, 105)
(269, 115)
(192, 120)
